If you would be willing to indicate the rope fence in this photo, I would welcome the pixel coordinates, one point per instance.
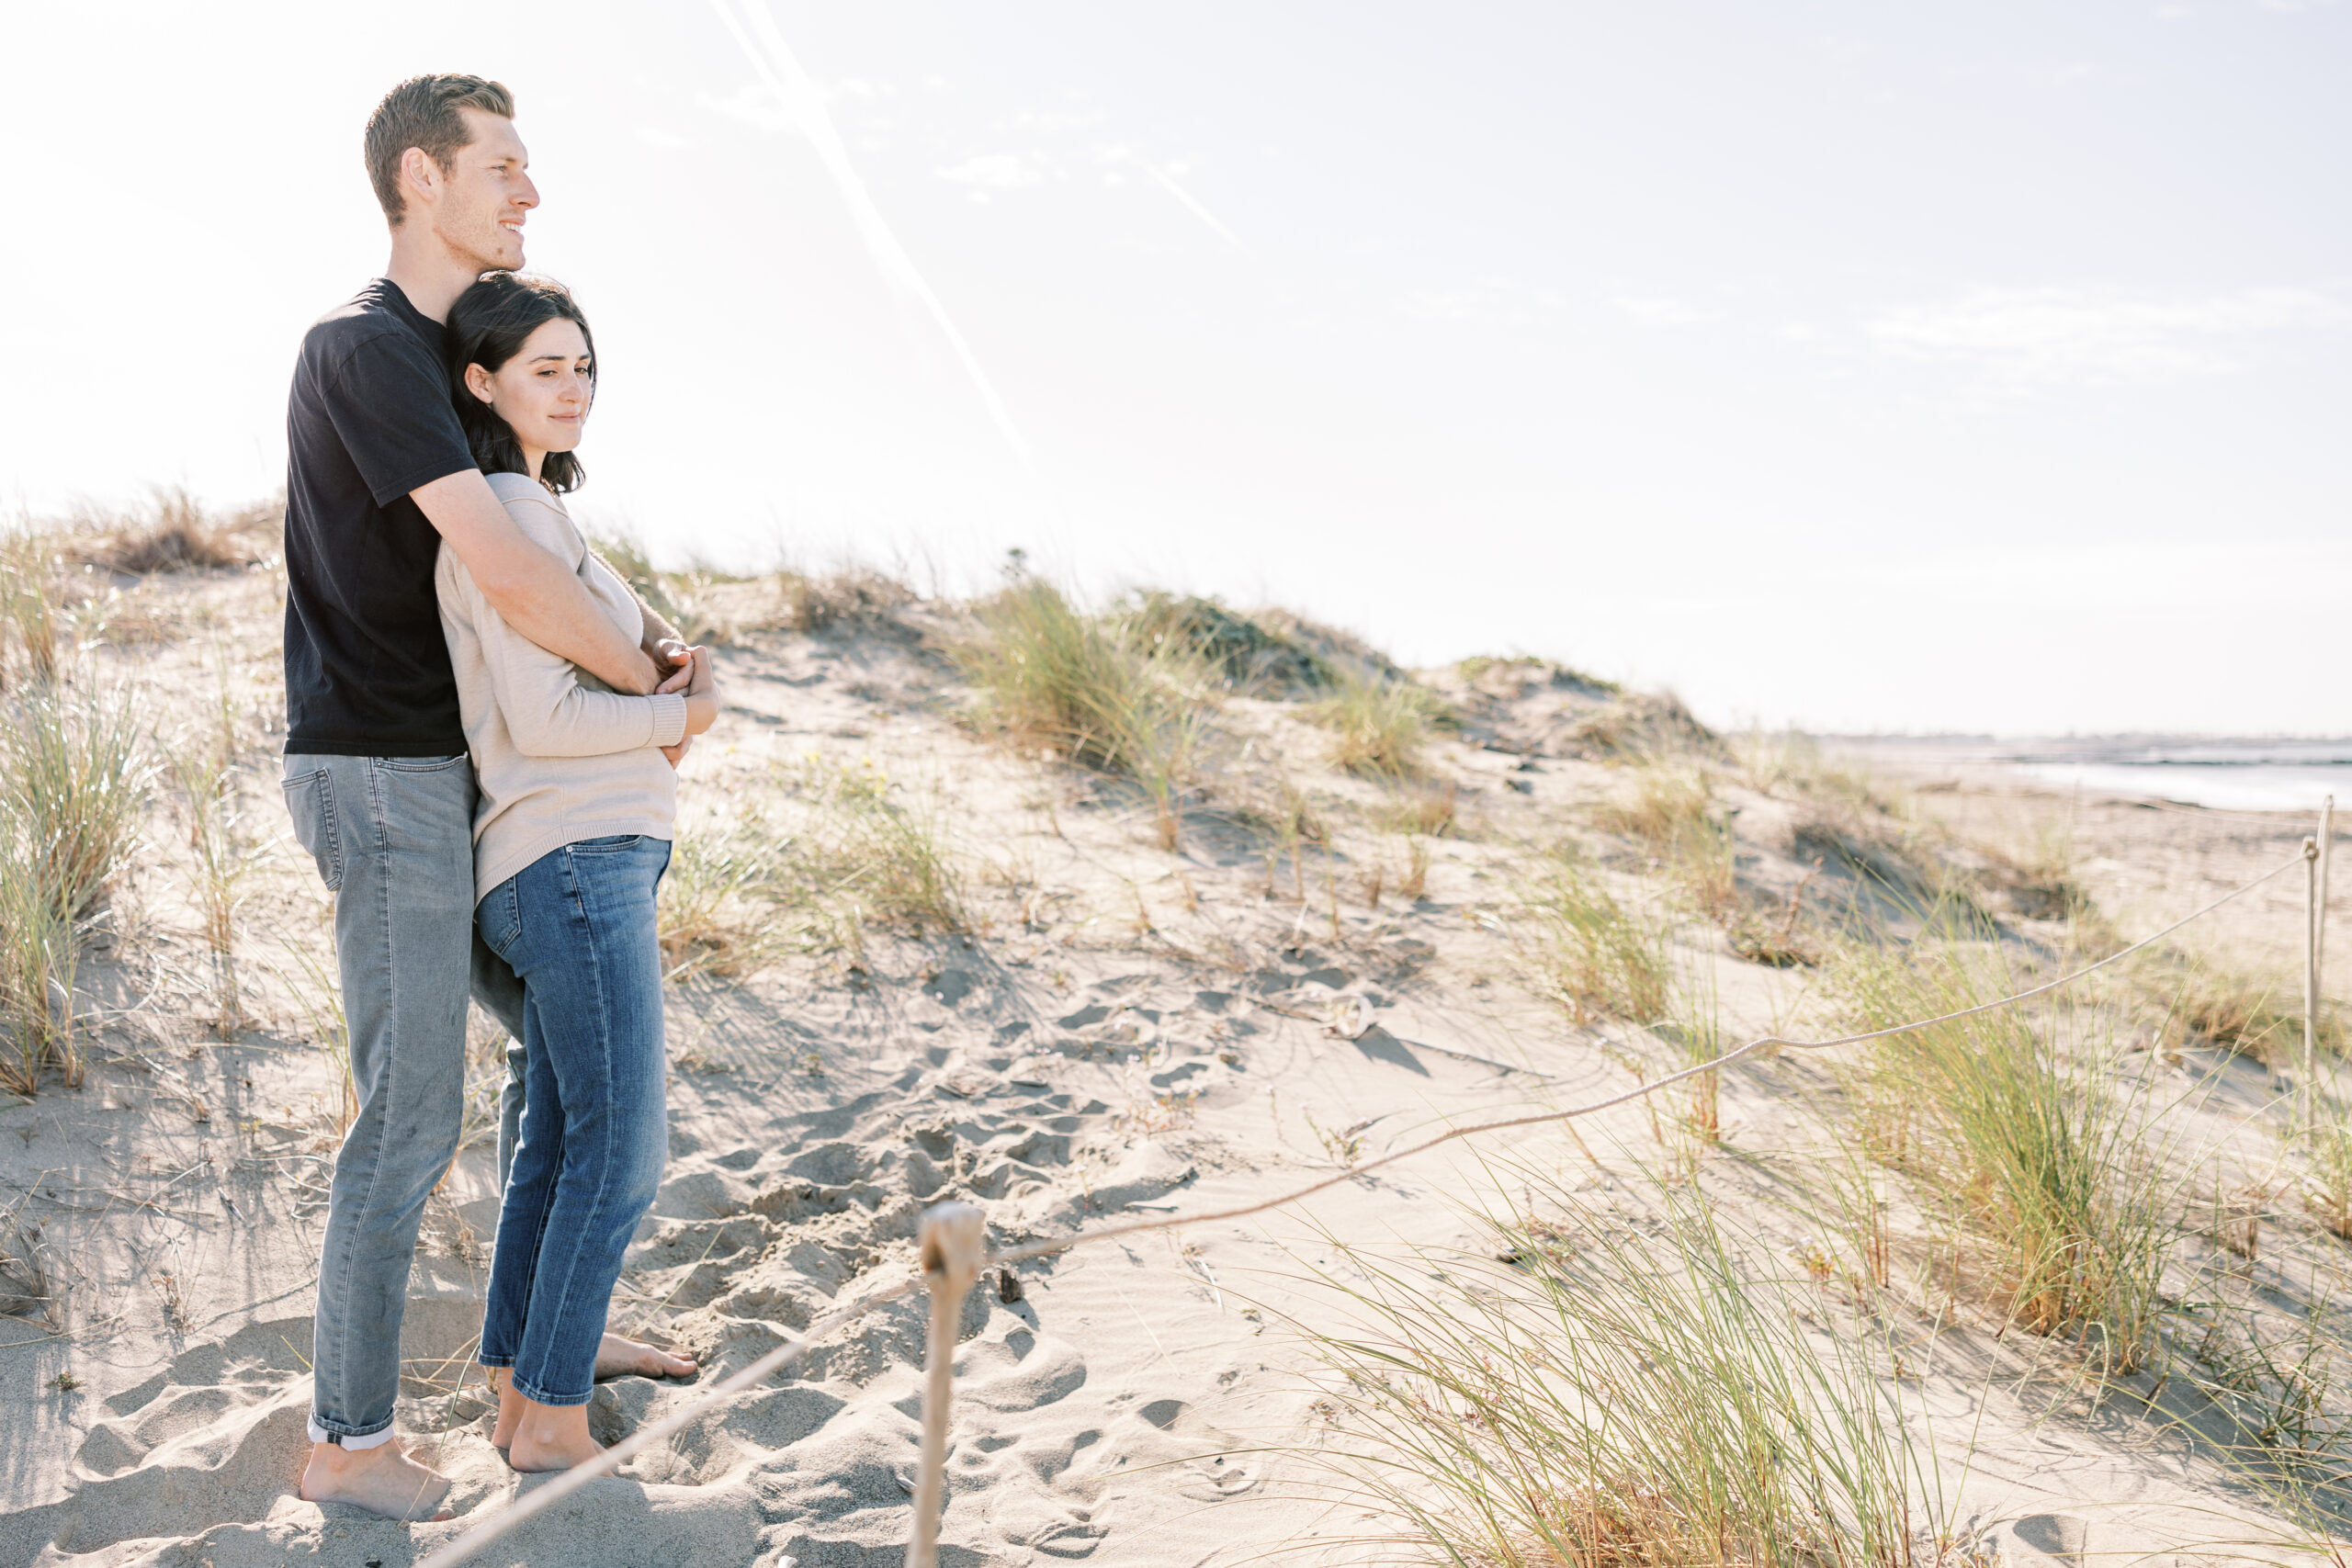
(952, 1235)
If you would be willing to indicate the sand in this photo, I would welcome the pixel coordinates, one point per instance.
(1127, 1032)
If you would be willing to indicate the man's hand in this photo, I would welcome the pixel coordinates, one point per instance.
(677, 753)
(539, 594)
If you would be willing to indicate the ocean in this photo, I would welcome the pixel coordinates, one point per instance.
(2232, 775)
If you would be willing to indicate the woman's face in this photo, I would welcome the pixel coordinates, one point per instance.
(544, 392)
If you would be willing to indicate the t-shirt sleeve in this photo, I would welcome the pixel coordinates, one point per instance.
(392, 412)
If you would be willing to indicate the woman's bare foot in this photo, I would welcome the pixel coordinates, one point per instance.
(510, 1407)
(620, 1358)
(551, 1437)
(382, 1480)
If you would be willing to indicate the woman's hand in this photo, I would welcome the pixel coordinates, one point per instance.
(702, 694)
(671, 661)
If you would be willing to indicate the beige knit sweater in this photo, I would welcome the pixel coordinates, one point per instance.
(558, 755)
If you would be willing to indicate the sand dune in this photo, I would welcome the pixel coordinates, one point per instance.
(1123, 1030)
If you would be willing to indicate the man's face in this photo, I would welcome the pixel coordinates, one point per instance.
(484, 195)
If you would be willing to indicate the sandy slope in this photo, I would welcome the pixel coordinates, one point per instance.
(1127, 1032)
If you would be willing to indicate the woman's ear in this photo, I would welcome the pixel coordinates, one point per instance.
(478, 382)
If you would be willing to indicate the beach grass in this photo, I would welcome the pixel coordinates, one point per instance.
(75, 776)
(1582, 1392)
(2020, 1116)
(852, 851)
(1095, 690)
(1590, 953)
(1378, 724)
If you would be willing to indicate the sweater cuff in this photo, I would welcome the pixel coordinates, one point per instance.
(669, 719)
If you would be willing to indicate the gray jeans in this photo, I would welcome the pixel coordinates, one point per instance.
(393, 841)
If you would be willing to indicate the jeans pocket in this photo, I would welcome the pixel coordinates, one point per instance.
(609, 846)
(310, 800)
(498, 918)
(420, 764)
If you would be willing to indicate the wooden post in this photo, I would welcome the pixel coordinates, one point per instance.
(951, 1243)
(2319, 926)
(2315, 987)
(2307, 1091)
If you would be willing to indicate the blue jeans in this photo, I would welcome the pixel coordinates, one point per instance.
(577, 927)
(392, 838)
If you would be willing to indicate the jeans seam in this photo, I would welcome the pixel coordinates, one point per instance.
(595, 967)
(333, 830)
(386, 1093)
(538, 1395)
(546, 1206)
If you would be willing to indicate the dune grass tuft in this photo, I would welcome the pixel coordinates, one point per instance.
(745, 890)
(1576, 1392)
(1590, 953)
(2247, 1014)
(2017, 1113)
(78, 772)
(178, 534)
(75, 778)
(32, 614)
(1666, 807)
(1095, 690)
(1379, 724)
(716, 908)
(1243, 653)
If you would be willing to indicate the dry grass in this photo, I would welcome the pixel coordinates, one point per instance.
(318, 993)
(2328, 1184)
(32, 618)
(2018, 1116)
(743, 892)
(1577, 1393)
(1095, 690)
(2244, 1013)
(78, 772)
(1590, 953)
(1657, 804)
(1378, 724)
(221, 840)
(1245, 654)
(811, 602)
(26, 1289)
(877, 855)
(1424, 806)
(178, 534)
(1668, 807)
(74, 780)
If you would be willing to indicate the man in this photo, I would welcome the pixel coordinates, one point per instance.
(377, 475)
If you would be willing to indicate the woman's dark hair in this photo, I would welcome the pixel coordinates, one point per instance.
(488, 326)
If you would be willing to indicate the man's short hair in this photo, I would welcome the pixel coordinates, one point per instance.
(422, 112)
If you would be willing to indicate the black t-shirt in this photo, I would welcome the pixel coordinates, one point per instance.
(367, 671)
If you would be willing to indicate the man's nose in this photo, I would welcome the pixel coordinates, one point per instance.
(529, 196)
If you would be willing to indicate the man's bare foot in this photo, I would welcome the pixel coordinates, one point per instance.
(382, 1480)
(550, 1436)
(620, 1358)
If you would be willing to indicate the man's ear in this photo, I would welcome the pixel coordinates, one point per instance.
(478, 382)
(420, 174)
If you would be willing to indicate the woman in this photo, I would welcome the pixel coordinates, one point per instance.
(570, 839)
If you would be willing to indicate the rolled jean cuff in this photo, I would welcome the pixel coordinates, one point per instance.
(537, 1396)
(493, 1361)
(374, 1440)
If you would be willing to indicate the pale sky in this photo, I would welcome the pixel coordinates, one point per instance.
(1968, 367)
